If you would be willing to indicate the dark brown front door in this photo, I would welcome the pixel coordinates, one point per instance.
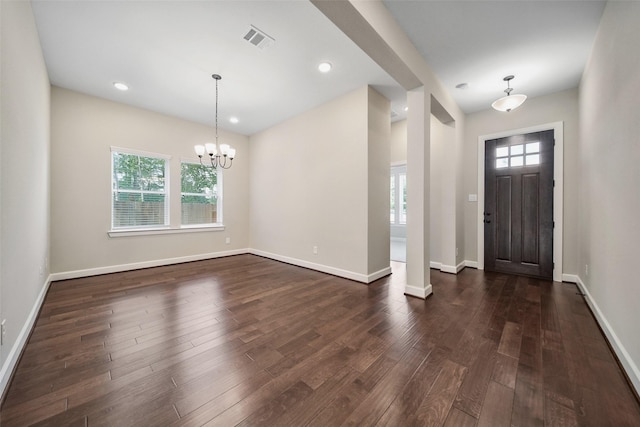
(518, 211)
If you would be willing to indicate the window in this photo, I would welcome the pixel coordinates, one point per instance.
(139, 184)
(514, 155)
(201, 201)
(398, 212)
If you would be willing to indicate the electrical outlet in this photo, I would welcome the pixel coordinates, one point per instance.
(456, 251)
(586, 270)
(4, 331)
(315, 250)
(227, 240)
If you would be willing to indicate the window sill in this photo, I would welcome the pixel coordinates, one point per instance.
(154, 231)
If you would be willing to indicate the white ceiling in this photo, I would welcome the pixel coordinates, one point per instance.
(166, 52)
(545, 44)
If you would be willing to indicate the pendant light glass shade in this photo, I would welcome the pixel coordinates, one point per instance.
(509, 102)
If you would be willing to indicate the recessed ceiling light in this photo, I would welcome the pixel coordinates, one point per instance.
(462, 86)
(234, 120)
(324, 67)
(406, 108)
(120, 86)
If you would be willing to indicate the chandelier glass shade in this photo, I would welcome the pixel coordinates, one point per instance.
(220, 155)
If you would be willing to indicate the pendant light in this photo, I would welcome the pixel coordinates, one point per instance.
(219, 155)
(509, 102)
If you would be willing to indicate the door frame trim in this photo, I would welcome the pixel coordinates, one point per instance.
(558, 200)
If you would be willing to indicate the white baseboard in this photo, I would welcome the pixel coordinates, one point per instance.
(14, 354)
(627, 363)
(145, 264)
(453, 269)
(417, 292)
(378, 274)
(471, 264)
(365, 278)
(570, 278)
(358, 277)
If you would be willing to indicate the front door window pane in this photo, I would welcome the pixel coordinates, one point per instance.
(516, 161)
(517, 149)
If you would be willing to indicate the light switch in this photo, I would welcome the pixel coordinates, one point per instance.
(473, 197)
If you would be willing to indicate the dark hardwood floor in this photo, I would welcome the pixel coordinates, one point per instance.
(245, 340)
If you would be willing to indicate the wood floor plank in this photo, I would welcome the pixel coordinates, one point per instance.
(417, 388)
(511, 340)
(437, 403)
(307, 410)
(528, 402)
(457, 418)
(496, 411)
(505, 370)
(251, 341)
(471, 394)
(558, 415)
(386, 390)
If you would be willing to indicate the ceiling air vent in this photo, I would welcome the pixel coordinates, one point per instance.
(393, 114)
(258, 38)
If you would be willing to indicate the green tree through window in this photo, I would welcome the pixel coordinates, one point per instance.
(200, 202)
(139, 196)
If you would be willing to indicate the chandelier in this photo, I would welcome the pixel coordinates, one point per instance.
(220, 156)
(509, 102)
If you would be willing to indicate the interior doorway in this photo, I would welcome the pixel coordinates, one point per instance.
(398, 212)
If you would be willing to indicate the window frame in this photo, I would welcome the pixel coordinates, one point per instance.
(166, 192)
(219, 198)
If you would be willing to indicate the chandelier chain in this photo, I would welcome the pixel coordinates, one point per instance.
(217, 80)
(220, 156)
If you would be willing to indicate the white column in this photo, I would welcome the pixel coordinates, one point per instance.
(418, 177)
(447, 208)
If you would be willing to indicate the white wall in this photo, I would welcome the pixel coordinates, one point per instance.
(24, 197)
(378, 185)
(309, 187)
(83, 128)
(609, 159)
(561, 106)
(436, 191)
(399, 142)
